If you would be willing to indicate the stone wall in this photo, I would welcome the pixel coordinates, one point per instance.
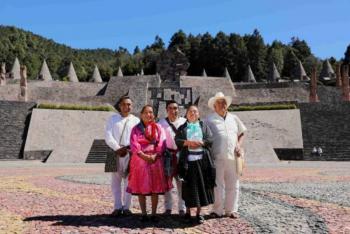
(329, 94)
(55, 92)
(269, 130)
(268, 93)
(14, 121)
(68, 134)
(326, 125)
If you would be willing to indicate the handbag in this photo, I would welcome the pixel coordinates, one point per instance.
(112, 159)
(240, 163)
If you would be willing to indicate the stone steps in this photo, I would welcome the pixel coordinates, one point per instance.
(326, 125)
(98, 152)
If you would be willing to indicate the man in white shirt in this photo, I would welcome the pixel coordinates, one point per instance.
(170, 124)
(117, 137)
(228, 134)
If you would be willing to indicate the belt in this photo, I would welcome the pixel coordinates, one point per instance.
(196, 152)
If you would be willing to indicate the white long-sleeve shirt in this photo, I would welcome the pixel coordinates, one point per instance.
(225, 134)
(169, 132)
(114, 128)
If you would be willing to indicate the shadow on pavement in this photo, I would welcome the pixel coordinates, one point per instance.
(133, 221)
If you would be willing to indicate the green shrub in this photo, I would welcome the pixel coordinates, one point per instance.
(263, 107)
(74, 107)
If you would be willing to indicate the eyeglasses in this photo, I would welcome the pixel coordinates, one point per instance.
(173, 108)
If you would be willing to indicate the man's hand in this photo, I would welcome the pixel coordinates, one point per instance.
(238, 150)
(122, 152)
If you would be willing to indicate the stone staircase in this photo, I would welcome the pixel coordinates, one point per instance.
(14, 123)
(326, 125)
(98, 152)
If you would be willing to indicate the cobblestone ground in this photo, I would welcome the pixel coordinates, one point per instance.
(296, 197)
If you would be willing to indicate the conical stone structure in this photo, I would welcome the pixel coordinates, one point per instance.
(250, 76)
(142, 72)
(300, 73)
(120, 73)
(204, 74)
(16, 70)
(327, 71)
(71, 73)
(45, 72)
(274, 75)
(96, 76)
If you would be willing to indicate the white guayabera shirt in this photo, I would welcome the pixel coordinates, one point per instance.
(225, 134)
(114, 129)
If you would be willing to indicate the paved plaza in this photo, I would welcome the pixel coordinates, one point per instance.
(287, 197)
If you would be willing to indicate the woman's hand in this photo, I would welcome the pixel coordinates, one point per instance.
(194, 144)
(147, 157)
(153, 157)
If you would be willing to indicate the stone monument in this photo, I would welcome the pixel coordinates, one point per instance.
(3, 74)
(96, 76)
(16, 70)
(327, 72)
(338, 76)
(23, 96)
(345, 83)
(273, 75)
(72, 76)
(120, 72)
(250, 76)
(171, 65)
(45, 72)
(313, 86)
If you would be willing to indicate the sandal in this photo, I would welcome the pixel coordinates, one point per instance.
(214, 215)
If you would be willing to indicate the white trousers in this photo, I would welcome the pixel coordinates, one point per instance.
(122, 199)
(227, 187)
(168, 198)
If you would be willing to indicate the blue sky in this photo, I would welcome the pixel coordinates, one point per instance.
(324, 24)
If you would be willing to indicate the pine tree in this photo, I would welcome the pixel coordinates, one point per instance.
(257, 54)
(347, 55)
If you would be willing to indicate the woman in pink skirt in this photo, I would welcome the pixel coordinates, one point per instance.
(147, 177)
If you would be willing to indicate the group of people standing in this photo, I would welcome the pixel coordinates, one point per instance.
(199, 155)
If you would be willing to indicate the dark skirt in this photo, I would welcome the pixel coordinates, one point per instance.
(195, 193)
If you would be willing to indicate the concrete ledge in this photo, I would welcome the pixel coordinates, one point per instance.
(42, 155)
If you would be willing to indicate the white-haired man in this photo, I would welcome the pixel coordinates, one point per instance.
(228, 134)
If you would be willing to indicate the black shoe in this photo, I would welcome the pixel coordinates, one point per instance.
(181, 213)
(200, 219)
(144, 218)
(214, 215)
(154, 219)
(127, 212)
(117, 213)
(187, 218)
(167, 212)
